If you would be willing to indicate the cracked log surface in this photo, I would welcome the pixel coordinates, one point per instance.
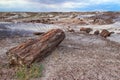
(33, 50)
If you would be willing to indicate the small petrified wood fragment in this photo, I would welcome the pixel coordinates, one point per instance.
(69, 29)
(33, 50)
(87, 30)
(105, 33)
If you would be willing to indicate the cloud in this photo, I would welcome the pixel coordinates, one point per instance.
(55, 5)
(13, 3)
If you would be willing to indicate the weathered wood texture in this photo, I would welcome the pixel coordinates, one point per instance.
(32, 50)
(87, 30)
(105, 33)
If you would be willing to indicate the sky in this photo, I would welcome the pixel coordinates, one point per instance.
(58, 5)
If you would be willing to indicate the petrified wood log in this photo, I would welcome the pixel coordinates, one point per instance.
(33, 50)
(87, 30)
(105, 33)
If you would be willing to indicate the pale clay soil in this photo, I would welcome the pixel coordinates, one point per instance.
(78, 57)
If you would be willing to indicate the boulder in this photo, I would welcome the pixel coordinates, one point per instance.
(96, 32)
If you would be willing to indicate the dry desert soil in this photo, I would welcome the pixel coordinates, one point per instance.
(80, 56)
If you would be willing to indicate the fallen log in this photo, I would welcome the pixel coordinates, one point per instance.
(33, 50)
(87, 30)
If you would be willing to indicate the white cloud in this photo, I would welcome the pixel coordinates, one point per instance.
(63, 5)
(13, 2)
(104, 1)
(73, 4)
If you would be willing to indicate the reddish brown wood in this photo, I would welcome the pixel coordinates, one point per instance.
(87, 30)
(105, 33)
(32, 50)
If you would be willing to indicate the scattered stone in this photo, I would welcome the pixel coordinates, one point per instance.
(96, 32)
(45, 21)
(69, 29)
(101, 20)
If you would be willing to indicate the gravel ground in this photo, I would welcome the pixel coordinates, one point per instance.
(78, 57)
(83, 57)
